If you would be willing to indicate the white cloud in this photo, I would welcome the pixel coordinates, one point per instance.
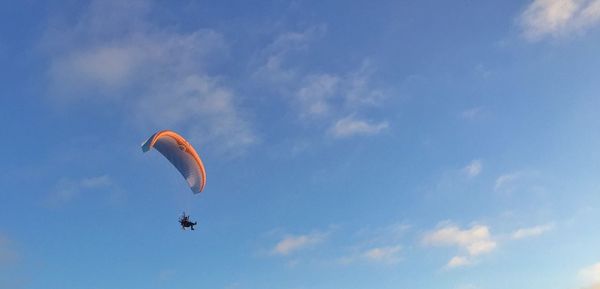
(166, 274)
(358, 90)
(474, 241)
(389, 254)
(474, 168)
(531, 232)
(590, 274)
(316, 95)
(377, 245)
(458, 261)
(7, 253)
(559, 17)
(272, 61)
(67, 189)
(505, 180)
(349, 126)
(521, 180)
(291, 243)
(329, 95)
(472, 113)
(109, 67)
(157, 77)
(203, 106)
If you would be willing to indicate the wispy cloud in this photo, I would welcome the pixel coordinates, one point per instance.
(388, 255)
(166, 274)
(474, 241)
(524, 233)
(458, 261)
(7, 254)
(530, 181)
(591, 275)
(474, 168)
(203, 106)
(159, 76)
(68, 189)
(472, 113)
(557, 18)
(293, 243)
(358, 89)
(314, 97)
(350, 126)
(326, 94)
(317, 96)
(272, 63)
(377, 245)
(507, 181)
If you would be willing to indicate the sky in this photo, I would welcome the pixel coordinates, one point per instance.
(348, 144)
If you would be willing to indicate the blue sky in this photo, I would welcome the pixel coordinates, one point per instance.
(396, 144)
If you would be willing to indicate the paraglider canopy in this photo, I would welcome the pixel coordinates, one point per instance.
(181, 154)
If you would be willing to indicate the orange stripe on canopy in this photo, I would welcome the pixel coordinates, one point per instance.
(184, 146)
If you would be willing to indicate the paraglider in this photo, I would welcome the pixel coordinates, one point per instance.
(180, 153)
(185, 222)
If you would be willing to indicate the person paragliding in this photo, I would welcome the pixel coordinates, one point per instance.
(184, 158)
(185, 222)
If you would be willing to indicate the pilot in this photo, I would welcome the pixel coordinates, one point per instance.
(185, 222)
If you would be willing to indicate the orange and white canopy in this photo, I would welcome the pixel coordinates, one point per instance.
(181, 154)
